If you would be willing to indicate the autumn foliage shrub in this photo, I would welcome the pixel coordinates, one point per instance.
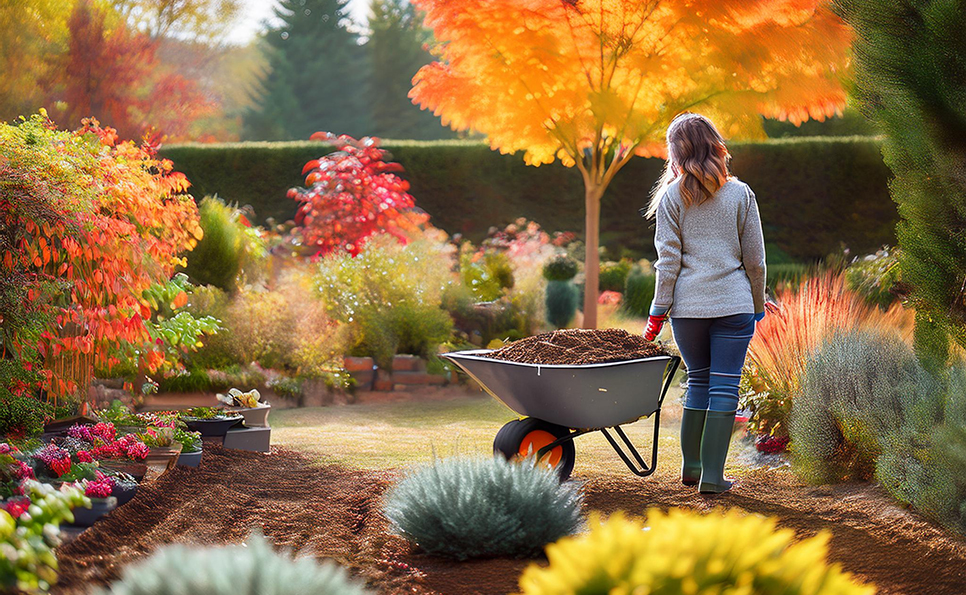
(791, 333)
(684, 552)
(87, 225)
(353, 194)
(483, 507)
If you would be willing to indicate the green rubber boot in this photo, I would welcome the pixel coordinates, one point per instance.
(692, 427)
(714, 451)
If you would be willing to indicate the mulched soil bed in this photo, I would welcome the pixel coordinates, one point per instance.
(333, 511)
(578, 346)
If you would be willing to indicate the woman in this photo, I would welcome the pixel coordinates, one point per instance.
(711, 282)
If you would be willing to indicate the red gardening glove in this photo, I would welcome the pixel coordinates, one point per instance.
(654, 325)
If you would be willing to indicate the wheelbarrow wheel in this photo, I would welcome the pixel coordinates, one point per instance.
(524, 437)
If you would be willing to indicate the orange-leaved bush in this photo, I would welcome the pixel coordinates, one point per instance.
(594, 82)
(353, 194)
(791, 332)
(87, 226)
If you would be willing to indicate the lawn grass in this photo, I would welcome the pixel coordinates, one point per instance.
(398, 434)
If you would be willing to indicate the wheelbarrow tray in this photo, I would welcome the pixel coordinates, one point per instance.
(584, 396)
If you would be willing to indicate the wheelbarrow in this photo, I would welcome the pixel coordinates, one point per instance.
(557, 403)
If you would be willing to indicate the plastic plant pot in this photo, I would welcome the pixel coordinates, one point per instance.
(85, 517)
(212, 428)
(124, 491)
(190, 459)
(255, 417)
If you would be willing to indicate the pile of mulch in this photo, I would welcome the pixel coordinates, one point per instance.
(334, 512)
(578, 346)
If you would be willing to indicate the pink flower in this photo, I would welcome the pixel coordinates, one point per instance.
(23, 471)
(55, 458)
(6, 449)
(84, 457)
(80, 432)
(100, 488)
(105, 431)
(138, 451)
(17, 507)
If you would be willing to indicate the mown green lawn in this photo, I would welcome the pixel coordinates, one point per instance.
(398, 434)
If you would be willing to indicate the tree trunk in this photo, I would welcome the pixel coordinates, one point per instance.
(592, 194)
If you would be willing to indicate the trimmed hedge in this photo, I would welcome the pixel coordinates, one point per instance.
(814, 193)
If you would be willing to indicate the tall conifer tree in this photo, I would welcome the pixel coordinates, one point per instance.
(911, 79)
(396, 52)
(316, 75)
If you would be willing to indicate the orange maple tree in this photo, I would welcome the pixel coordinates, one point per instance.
(89, 224)
(594, 82)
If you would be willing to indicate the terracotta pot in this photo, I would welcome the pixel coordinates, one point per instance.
(163, 458)
(85, 517)
(255, 417)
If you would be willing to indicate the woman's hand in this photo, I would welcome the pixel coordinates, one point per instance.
(654, 325)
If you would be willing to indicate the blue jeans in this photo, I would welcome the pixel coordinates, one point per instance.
(714, 351)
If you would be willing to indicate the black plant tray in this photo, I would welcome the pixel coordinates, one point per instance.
(212, 427)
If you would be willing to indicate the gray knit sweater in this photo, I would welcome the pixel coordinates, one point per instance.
(711, 256)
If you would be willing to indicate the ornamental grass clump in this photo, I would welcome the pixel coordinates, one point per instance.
(859, 385)
(682, 552)
(792, 332)
(253, 568)
(483, 507)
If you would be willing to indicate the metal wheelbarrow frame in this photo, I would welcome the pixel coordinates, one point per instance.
(571, 400)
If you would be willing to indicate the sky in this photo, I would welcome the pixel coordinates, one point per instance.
(255, 11)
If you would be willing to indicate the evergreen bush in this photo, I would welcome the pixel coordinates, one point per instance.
(638, 292)
(561, 302)
(250, 569)
(684, 552)
(910, 79)
(482, 507)
(562, 267)
(217, 258)
(858, 387)
(923, 465)
(613, 275)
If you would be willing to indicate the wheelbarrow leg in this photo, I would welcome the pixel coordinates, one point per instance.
(640, 468)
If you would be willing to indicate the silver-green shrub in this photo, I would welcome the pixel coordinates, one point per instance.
(858, 386)
(482, 507)
(923, 465)
(250, 569)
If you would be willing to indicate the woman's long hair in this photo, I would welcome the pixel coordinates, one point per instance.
(696, 153)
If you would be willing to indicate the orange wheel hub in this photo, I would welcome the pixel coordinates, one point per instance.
(536, 440)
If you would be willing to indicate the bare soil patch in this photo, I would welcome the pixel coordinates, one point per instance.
(334, 511)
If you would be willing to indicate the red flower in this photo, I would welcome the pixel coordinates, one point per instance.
(17, 507)
(23, 471)
(105, 431)
(84, 457)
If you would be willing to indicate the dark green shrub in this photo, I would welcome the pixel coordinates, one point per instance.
(923, 464)
(483, 507)
(217, 258)
(560, 268)
(250, 569)
(638, 292)
(561, 302)
(813, 192)
(858, 387)
(910, 70)
(22, 416)
(613, 275)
